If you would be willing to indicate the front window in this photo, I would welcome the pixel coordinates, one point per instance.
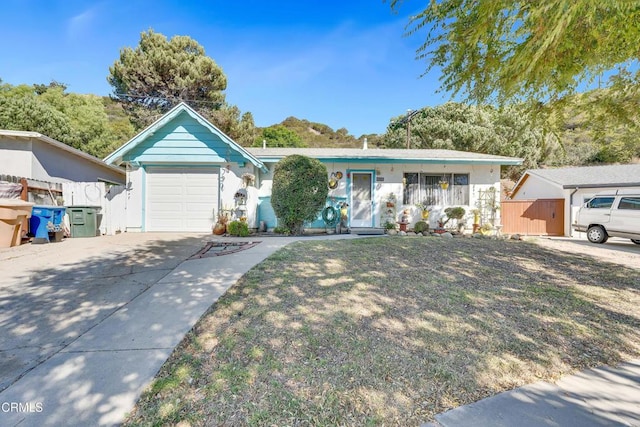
(443, 189)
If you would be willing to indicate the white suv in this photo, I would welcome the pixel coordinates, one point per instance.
(610, 215)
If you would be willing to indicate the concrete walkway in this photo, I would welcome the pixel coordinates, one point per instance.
(597, 397)
(87, 323)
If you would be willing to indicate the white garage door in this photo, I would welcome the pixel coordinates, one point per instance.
(181, 199)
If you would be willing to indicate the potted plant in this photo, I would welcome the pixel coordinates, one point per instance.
(391, 200)
(220, 226)
(456, 213)
(425, 208)
(476, 219)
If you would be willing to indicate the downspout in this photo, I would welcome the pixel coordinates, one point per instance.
(571, 211)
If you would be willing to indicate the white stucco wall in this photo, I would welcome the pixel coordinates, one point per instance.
(537, 188)
(230, 182)
(134, 194)
(481, 177)
(15, 158)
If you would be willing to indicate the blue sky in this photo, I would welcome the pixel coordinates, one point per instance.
(342, 63)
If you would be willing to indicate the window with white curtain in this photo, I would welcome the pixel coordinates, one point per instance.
(444, 189)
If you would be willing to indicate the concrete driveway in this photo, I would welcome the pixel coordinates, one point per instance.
(85, 324)
(52, 294)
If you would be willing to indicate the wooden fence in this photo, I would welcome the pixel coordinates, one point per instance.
(540, 217)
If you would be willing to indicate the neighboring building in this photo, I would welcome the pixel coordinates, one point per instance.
(182, 171)
(570, 187)
(36, 156)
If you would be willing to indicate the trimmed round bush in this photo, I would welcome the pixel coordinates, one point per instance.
(299, 192)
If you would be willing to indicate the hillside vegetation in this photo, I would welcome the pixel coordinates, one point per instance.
(594, 128)
(313, 134)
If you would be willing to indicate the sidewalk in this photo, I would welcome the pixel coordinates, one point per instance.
(94, 378)
(596, 397)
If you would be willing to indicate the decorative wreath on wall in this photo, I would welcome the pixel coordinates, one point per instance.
(330, 216)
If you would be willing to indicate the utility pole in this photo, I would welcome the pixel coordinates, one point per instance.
(408, 129)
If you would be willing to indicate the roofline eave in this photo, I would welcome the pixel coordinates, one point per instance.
(383, 160)
(583, 186)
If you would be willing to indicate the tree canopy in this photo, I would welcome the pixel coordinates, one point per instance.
(159, 73)
(80, 121)
(455, 126)
(279, 136)
(501, 49)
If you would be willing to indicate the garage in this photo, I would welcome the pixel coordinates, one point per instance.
(181, 198)
(574, 186)
(180, 171)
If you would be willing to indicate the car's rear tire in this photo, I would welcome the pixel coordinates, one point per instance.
(597, 234)
(636, 241)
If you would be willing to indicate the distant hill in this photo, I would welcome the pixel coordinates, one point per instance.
(316, 135)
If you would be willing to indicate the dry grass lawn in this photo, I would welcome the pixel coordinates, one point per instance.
(391, 331)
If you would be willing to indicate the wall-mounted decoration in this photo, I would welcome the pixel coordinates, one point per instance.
(333, 180)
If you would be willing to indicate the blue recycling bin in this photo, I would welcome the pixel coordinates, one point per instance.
(45, 219)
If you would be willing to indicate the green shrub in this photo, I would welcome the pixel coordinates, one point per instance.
(238, 228)
(420, 227)
(453, 213)
(299, 192)
(282, 230)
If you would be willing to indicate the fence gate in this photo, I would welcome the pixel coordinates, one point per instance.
(540, 217)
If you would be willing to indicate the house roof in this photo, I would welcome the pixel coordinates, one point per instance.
(384, 155)
(117, 156)
(27, 136)
(586, 176)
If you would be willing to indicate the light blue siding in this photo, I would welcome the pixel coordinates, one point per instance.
(183, 140)
(266, 212)
(268, 215)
